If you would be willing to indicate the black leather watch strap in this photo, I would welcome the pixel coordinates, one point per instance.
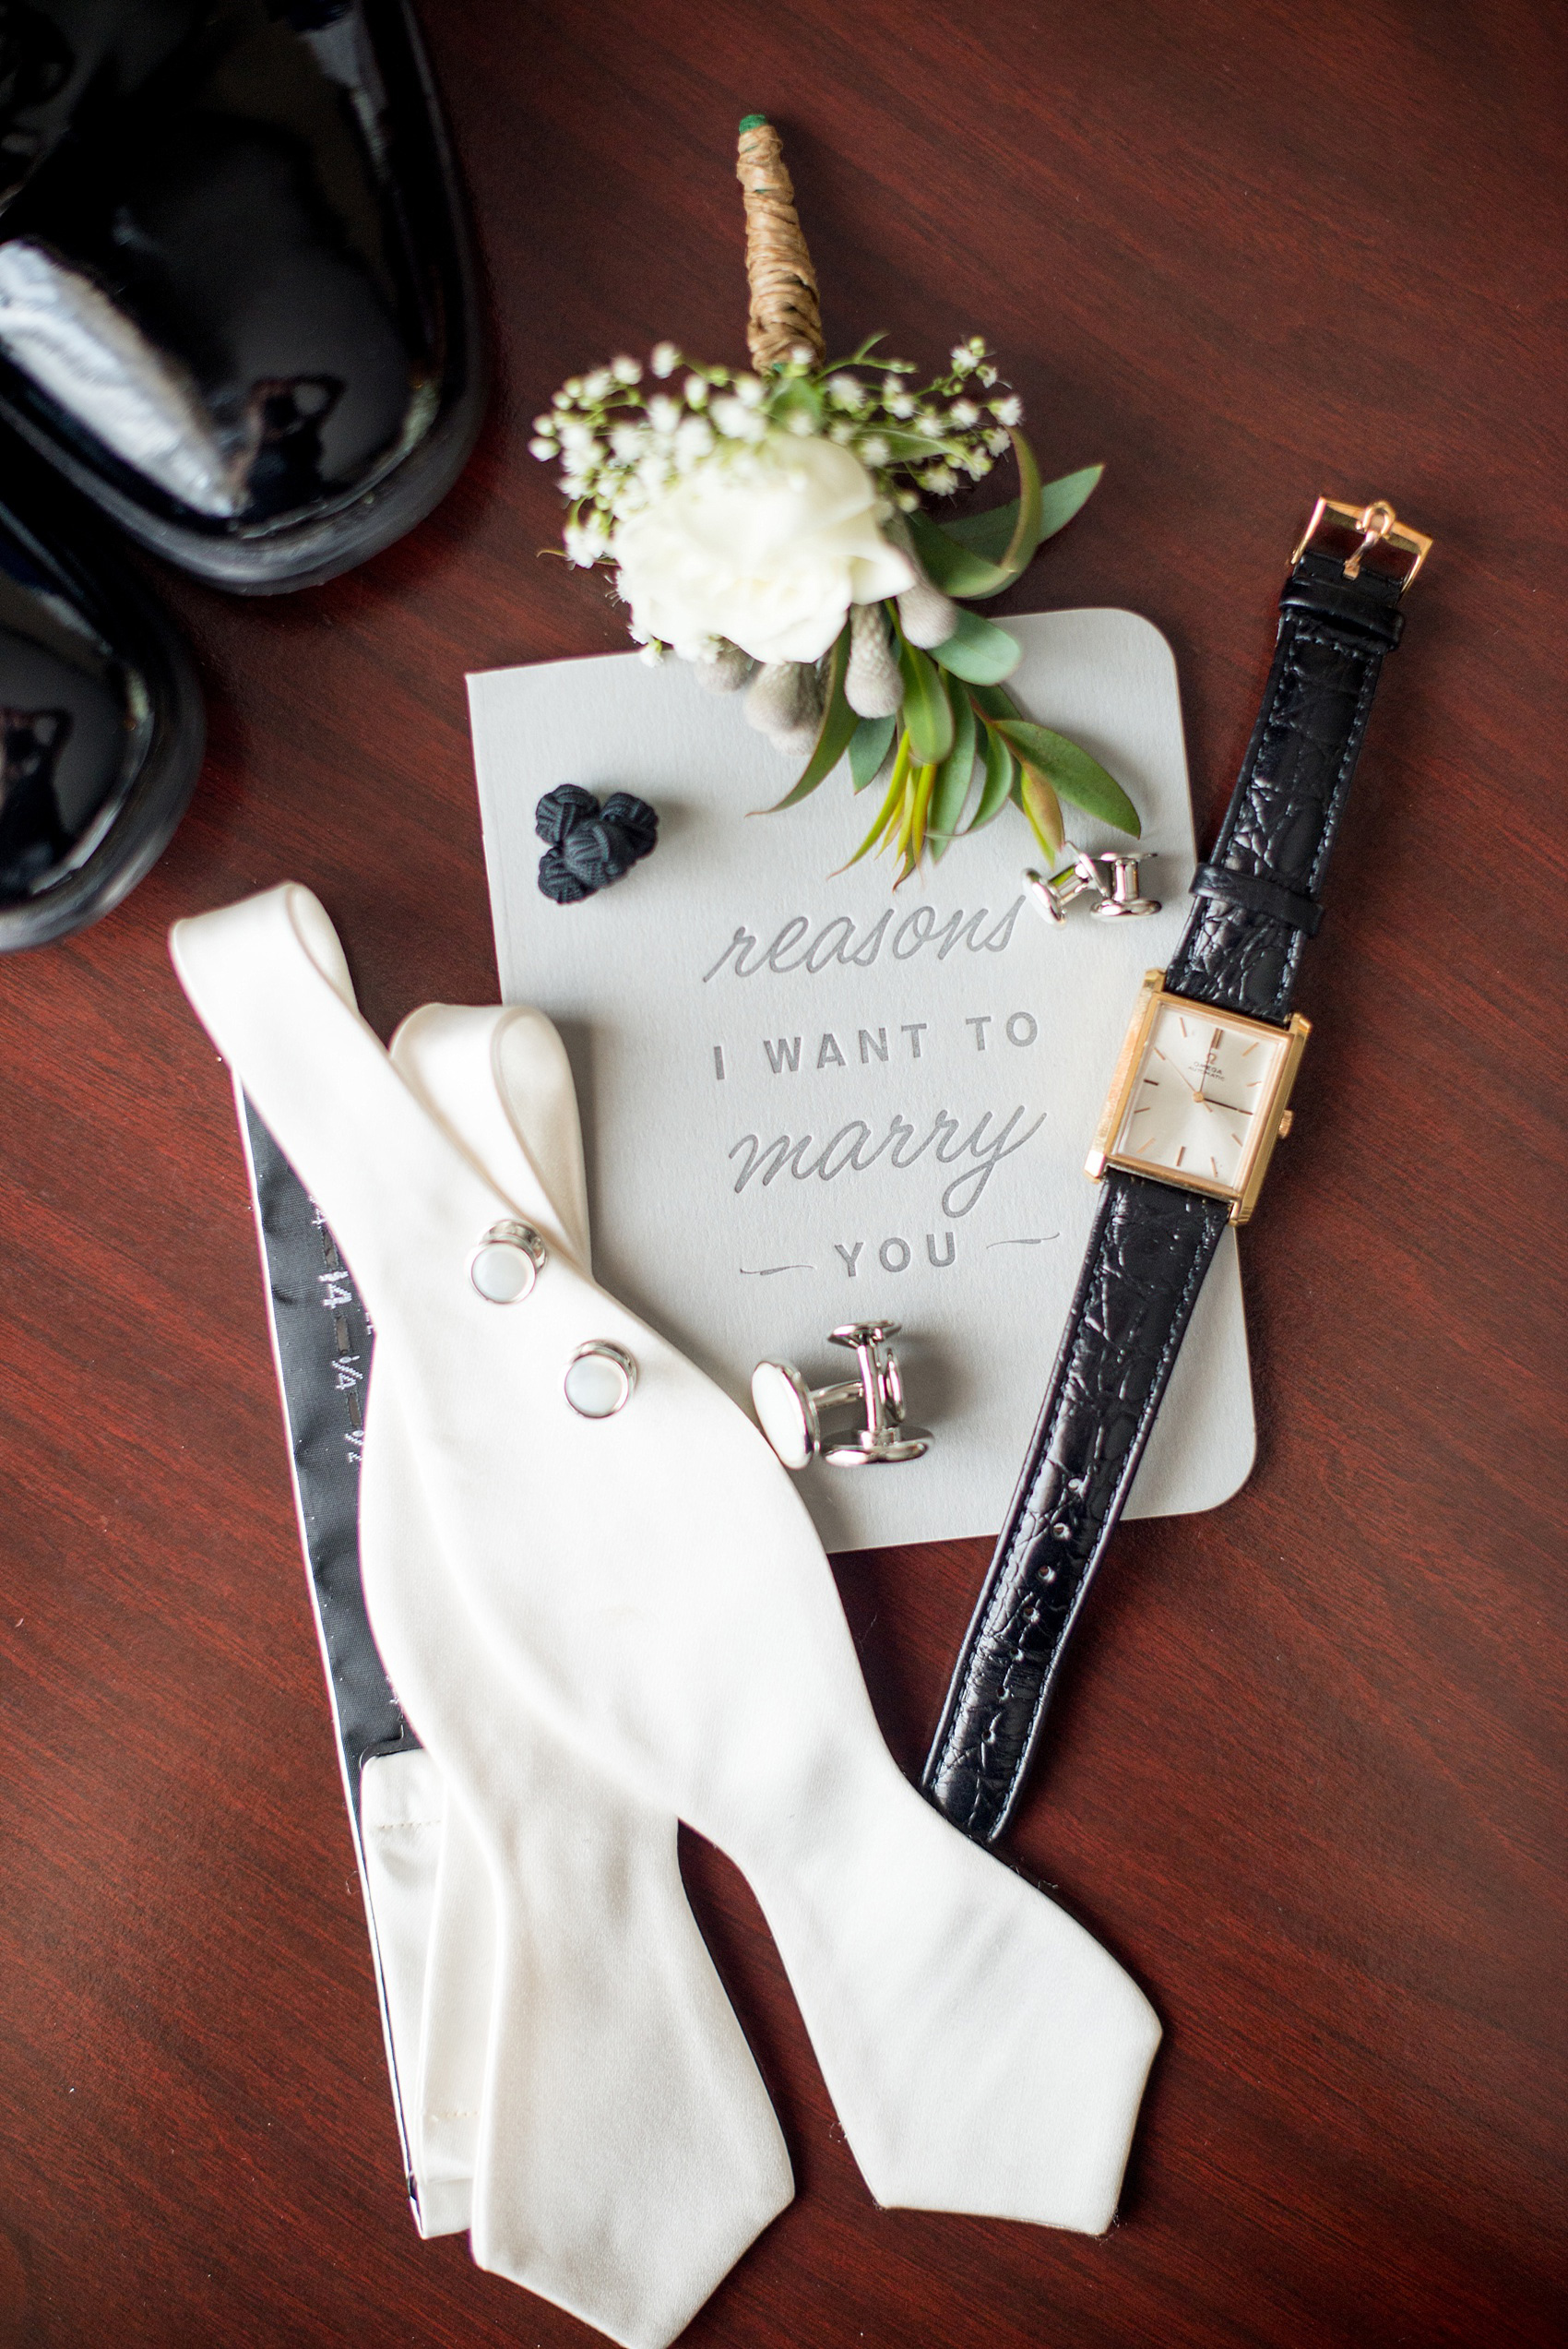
(1259, 894)
(1258, 899)
(1149, 1249)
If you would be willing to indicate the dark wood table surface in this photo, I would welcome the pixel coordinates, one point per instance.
(1305, 1777)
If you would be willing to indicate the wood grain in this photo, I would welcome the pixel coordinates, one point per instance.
(1305, 1778)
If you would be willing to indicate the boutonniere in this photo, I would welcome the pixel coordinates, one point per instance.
(773, 528)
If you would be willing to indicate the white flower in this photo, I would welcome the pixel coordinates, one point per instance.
(693, 438)
(696, 391)
(997, 441)
(900, 403)
(597, 384)
(1008, 410)
(664, 359)
(586, 542)
(941, 479)
(800, 422)
(625, 370)
(543, 449)
(626, 441)
(767, 547)
(844, 392)
(749, 388)
(736, 421)
(963, 411)
(873, 449)
(964, 361)
(663, 413)
(544, 423)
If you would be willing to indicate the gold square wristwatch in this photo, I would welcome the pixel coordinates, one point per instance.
(1199, 1098)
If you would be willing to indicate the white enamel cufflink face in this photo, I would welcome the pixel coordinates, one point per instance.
(507, 1263)
(599, 1379)
(790, 1412)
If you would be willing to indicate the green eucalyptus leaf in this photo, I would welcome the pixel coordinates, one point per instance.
(954, 570)
(1074, 773)
(869, 747)
(989, 534)
(1043, 809)
(928, 713)
(978, 651)
(958, 569)
(796, 397)
(954, 775)
(838, 723)
(885, 814)
(993, 701)
(996, 784)
(1026, 529)
(907, 448)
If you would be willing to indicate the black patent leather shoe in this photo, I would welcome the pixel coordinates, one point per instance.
(101, 725)
(238, 301)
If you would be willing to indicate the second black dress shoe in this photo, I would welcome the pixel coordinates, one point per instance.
(238, 300)
(101, 725)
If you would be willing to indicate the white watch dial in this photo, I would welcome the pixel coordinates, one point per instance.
(1200, 1090)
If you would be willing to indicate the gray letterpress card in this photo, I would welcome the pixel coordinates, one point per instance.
(808, 1101)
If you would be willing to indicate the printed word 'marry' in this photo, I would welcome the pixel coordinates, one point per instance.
(852, 1151)
(797, 947)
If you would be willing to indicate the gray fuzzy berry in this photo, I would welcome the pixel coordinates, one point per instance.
(927, 617)
(873, 685)
(727, 671)
(784, 702)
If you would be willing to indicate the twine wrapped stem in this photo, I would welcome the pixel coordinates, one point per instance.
(785, 314)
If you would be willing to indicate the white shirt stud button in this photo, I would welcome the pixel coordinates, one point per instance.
(506, 1263)
(599, 1379)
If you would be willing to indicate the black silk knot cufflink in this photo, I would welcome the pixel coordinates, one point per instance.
(588, 846)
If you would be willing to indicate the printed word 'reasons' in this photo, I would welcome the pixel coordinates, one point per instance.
(797, 946)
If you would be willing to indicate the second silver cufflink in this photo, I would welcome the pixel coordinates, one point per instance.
(790, 1412)
(1081, 878)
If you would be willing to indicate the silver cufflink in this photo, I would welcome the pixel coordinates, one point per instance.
(1081, 878)
(507, 1262)
(599, 1379)
(1053, 897)
(1123, 899)
(790, 1412)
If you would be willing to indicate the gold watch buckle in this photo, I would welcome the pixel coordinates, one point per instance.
(1354, 532)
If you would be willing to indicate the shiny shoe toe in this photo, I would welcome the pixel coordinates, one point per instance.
(237, 292)
(102, 726)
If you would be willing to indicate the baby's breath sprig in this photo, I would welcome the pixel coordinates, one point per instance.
(619, 439)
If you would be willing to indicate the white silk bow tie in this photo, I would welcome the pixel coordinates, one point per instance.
(649, 1591)
(578, 2060)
